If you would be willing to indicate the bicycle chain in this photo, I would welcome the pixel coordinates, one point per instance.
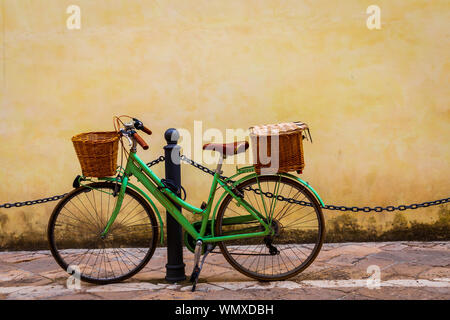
(268, 194)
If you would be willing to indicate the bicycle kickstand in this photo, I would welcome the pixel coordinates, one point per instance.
(196, 272)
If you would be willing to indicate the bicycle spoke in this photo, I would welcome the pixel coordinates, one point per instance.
(121, 221)
(95, 210)
(91, 221)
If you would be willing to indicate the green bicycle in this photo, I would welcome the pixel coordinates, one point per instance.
(109, 228)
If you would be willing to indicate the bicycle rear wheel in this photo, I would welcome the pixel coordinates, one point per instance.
(298, 230)
(80, 217)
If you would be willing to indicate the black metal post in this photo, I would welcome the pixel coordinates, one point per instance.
(175, 265)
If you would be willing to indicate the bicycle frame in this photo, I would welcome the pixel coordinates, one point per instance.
(136, 167)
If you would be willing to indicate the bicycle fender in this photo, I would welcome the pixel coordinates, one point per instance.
(307, 185)
(152, 203)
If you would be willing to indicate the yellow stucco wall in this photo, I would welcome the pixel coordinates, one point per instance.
(377, 101)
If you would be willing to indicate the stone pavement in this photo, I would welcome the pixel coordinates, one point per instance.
(408, 270)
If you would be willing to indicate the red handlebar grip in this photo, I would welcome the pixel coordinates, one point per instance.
(141, 141)
(146, 130)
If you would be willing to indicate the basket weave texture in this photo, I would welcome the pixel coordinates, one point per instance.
(289, 138)
(97, 153)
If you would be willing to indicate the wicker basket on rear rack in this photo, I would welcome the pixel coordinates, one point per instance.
(97, 153)
(278, 148)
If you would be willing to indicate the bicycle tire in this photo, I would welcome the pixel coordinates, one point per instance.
(232, 251)
(61, 245)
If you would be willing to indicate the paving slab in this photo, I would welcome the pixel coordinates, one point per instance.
(408, 270)
(39, 292)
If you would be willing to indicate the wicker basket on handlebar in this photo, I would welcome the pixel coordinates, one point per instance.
(278, 148)
(97, 153)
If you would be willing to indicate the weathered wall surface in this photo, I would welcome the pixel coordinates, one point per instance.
(377, 100)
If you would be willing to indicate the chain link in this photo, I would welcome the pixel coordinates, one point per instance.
(203, 168)
(389, 208)
(32, 202)
(156, 161)
(269, 195)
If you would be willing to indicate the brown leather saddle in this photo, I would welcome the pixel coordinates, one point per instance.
(227, 149)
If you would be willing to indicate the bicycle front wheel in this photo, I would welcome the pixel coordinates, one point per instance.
(75, 227)
(297, 231)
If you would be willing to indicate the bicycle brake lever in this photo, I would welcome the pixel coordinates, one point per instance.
(124, 134)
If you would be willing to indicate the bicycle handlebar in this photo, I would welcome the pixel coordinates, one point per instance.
(139, 140)
(140, 126)
(129, 131)
(146, 130)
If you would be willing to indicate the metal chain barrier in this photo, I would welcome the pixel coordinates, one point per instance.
(203, 168)
(389, 208)
(32, 202)
(56, 198)
(327, 207)
(156, 161)
(257, 191)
